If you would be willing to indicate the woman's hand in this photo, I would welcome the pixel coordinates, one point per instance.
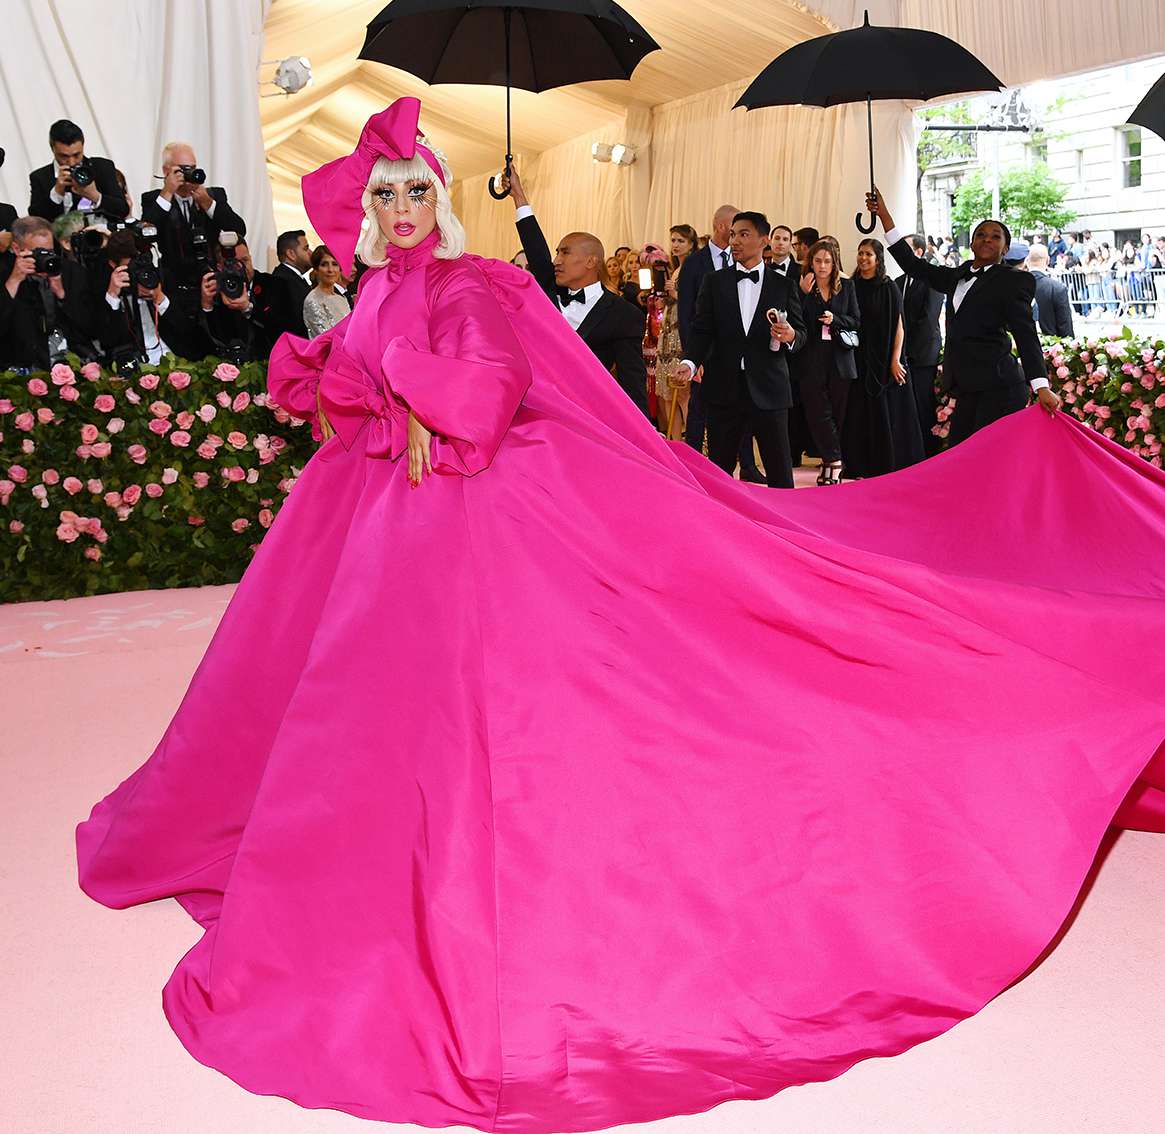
(898, 371)
(807, 282)
(420, 440)
(827, 318)
(670, 287)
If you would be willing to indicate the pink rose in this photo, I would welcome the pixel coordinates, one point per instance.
(131, 494)
(138, 454)
(278, 444)
(69, 393)
(252, 476)
(195, 521)
(179, 379)
(235, 474)
(24, 421)
(267, 456)
(28, 447)
(95, 486)
(160, 409)
(159, 425)
(6, 405)
(72, 485)
(1085, 356)
(266, 517)
(37, 387)
(185, 420)
(180, 438)
(133, 397)
(112, 499)
(104, 403)
(201, 479)
(1110, 432)
(88, 434)
(84, 452)
(148, 381)
(7, 488)
(241, 402)
(240, 525)
(62, 375)
(70, 518)
(102, 449)
(1101, 372)
(154, 490)
(93, 553)
(18, 473)
(44, 415)
(206, 451)
(91, 372)
(169, 476)
(1147, 355)
(115, 425)
(286, 484)
(66, 533)
(51, 476)
(237, 439)
(39, 492)
(1160, 402)
(1126, 387)
(214, 439)
(225, 372)
(124, 511)
(1148, 381)
(208, 413)
(223, 398)
(15, 527)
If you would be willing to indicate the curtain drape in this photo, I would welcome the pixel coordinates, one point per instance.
(134, 76)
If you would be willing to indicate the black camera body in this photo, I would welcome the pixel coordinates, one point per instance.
(144, 272)
(47, 261)
(192, 175)
(87, 245)
(231, 279)
(83, 173)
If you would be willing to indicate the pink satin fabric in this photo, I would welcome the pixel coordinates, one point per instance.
(584, 785)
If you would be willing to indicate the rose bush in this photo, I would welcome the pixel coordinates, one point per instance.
(165, 479)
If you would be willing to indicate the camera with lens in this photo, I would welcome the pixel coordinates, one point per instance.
(87, 244)
(231, 279)
(126, 361)
(83, 173)
(144, 272)
(193, 175)
(47, 262)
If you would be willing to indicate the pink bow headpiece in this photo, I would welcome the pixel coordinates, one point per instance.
(332, 193)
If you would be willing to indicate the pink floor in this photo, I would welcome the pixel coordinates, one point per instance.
(88, 685)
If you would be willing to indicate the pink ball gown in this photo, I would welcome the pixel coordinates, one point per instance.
(465, 852)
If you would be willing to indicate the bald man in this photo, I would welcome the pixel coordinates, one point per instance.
(605, 321)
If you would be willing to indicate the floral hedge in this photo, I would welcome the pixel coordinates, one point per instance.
(1113, 382)
(164, 479)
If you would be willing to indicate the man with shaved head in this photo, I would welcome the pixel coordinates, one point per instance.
(605, 321)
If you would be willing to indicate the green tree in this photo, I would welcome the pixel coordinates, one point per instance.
(941, 145)
(1030, 200)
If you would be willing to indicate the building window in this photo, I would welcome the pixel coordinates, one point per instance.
(1037, 151)
(1130, 156)
(1079, 167)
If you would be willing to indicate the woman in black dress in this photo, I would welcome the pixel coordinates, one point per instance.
(825, 365)
(882, 431)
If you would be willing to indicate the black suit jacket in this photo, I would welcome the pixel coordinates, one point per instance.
(179, 330)
(41, 182)
(613, 328)
(7, 215)
(283, 309)
(718, 342)
(978, 351)
(174, 233)
(1053, 306)
(921, 307)
(698, 265)
(25, 322)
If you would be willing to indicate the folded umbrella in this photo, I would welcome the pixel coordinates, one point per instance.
(1150, 111)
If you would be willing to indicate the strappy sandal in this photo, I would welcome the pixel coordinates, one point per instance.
(832, 473)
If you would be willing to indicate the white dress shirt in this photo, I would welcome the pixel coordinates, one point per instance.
(960, 293)
(785, 266)
(718, 255)
(70, 200)
(575, 312)
(185, 204)
(748, 296)
(152, 341)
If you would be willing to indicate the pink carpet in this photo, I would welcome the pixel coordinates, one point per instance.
(90, 684)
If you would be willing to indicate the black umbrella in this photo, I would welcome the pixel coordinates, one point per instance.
(535, 45)
(867, 63)
(1150, 111)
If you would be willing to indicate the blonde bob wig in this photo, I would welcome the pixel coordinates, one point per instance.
(371, 246)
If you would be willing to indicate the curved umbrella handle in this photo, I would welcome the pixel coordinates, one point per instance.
(867, 229)
(494, 192)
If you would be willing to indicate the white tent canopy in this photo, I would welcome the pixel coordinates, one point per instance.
(149, 72)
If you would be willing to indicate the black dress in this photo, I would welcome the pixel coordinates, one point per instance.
(881, 431)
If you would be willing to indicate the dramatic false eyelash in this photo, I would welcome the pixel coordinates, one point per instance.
(381, 196)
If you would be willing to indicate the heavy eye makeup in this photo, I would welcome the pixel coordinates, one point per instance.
(416, 191)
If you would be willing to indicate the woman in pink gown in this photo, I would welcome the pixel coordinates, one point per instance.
(464, 852)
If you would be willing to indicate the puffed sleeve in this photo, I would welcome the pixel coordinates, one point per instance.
(293, 373)
(467, 389)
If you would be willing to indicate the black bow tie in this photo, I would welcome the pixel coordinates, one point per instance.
(566, 296)
(754, 275)
(970, 272)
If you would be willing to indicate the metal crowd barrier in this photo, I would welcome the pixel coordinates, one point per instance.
(1101, 294)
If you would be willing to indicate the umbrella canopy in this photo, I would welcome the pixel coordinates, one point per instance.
(535, 45)
(1150, 111)
(866, 63)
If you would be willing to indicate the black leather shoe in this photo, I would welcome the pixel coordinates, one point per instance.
(752, 476)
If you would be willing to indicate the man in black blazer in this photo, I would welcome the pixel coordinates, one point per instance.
(606, 322)
(745, 355)
(1053, 306)
(52, 190)
(287, 286)
(985, 301)
(923, 344)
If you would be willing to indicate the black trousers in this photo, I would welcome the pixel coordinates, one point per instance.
(697, 422)
(769, 427)
(975, 410)
(922, 383)
(824, 399)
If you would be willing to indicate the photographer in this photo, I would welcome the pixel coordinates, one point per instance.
(46, 307)
(234, 306)
(139, 323)
(73, 180)
(7, 215)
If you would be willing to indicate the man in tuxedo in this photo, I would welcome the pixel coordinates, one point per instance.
(745, 354)
(1053, 308)
(237, 327)
(46, 309)
(789, 266)
(985, 301)
(288, 286)
(713, 257)
(606, 322)
(52, 190)
(7, 219)
(923, 343)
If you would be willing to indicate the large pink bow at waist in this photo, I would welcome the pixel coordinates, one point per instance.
(350, 400)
